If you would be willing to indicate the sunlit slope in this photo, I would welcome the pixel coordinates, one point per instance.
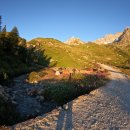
(80, 55)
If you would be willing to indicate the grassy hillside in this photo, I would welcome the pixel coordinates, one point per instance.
(17, 57)
(61, 54)
(125, 52)
(81, 56)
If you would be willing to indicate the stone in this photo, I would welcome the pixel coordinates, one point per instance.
(13, 97)
(37, 111)
(37, 97)
(65, 106)
(40, 91)
(74, 41)
(14, 102)
(57, 73)
(41, 98)
(125, 37)
(3, 93)
(35, 82)
(109, 38)
(32, 92)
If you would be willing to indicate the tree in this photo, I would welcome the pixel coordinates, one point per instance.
(4, 29)
(15, 31)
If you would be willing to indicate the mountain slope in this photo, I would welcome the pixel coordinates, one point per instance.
(61, 54)
(108, 38)
(125, 37)
(74, 41)
(80, 56)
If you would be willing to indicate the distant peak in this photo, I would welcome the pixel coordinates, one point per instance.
(74, 41)
(125, 37)
(109, 38)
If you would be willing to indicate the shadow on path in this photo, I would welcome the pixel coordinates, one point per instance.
(65, 118)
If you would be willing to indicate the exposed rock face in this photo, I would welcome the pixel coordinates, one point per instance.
(108, 38)
(74, 41)
(125, 37)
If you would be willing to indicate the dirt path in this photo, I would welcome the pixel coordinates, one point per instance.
(107, 107)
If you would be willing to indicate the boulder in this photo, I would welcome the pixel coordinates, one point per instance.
(32, 92)
(57, 72)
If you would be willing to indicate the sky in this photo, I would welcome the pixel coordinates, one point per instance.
(62, 19)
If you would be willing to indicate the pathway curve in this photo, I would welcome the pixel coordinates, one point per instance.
(107, 107)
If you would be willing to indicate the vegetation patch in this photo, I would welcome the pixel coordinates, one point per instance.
(83, 56)
(33, 77)
(8, 113)
(66, 90)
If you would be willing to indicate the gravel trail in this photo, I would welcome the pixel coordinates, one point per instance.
(105, 108)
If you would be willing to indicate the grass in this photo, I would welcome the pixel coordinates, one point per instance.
(67, 56)
(67, 90)
(83, 56)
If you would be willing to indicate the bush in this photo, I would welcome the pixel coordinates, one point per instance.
(16, 58)
(60, 93)
(8, 114)
(33, 76)
(65, 91)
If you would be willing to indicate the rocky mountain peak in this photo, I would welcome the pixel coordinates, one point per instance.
(125, 37)
(109, 38)
(74, 41)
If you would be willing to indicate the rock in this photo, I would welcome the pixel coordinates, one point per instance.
(32, 92)
(27, 90)
(37, 97)
(32, 82)
(37, 111)
(41, 98)
(14, 102)
(26, 81)
(74, 41)
(109, 38)
(3, 93)
(35, 82)
(125, 37)
(65, 106)
(40, 91)
(13, 97)
(57, 72)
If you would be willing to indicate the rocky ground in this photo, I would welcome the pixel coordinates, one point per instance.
(27, 98)
(105, 108)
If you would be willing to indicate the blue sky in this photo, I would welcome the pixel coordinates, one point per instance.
(61, 19)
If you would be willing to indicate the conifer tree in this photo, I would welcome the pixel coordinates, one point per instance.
(15, 31)
(4, 29)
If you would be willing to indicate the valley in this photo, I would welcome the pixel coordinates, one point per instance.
(44, 74)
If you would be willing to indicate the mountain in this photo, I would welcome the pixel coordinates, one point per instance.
(18, 56)
(74, 41)
(125, 37)
(61, 54)
(83, 55)
(108, 38)
(49, 52)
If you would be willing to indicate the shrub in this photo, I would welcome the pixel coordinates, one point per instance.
(33, 76)
(8, 114)
(60, 93)
(65, 91)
